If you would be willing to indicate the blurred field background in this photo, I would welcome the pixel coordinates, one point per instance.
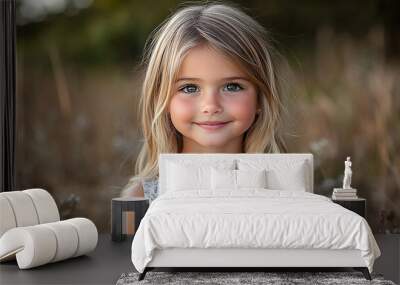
(78, 86)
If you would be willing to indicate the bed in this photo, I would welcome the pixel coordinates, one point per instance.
(244, 211)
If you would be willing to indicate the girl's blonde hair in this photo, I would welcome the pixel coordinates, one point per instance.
(233, 33)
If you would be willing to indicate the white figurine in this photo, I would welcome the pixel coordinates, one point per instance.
(347, 174)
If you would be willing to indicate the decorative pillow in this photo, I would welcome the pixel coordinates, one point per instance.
(223, 179)
(293, 179)
(236, 179)
(251, 178)
(184, 175)
(281, 174)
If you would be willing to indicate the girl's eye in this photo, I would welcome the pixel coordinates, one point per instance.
(189, 88)
(232, 87)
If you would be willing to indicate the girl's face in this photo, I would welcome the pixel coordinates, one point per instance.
(214, 102)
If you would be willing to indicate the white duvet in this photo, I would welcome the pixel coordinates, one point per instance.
(253, 218)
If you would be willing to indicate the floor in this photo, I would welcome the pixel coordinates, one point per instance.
(389, 262)
(110, 260)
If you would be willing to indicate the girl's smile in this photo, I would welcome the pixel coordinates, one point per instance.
(212, 125)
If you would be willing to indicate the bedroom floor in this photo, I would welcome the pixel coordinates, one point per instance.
(106, 264)
(388, 263)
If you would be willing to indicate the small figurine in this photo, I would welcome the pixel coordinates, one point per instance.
(347, 174)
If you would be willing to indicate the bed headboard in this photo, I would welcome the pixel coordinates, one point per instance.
(276, 160)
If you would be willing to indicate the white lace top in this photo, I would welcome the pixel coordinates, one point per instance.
(150, 189)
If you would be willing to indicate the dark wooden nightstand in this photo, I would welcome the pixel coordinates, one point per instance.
(358, 205)
(126, 215)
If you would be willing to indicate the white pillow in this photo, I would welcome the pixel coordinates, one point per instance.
(281, 174)
(223, 179)
(236, 179)
(293, 180)
(251, 178)
(186, 175)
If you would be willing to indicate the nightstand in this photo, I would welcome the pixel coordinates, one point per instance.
(126, 215)
(356, 205)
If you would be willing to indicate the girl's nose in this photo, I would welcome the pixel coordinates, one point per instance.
(210, 102)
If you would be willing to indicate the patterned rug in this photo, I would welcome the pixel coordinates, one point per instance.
(229, 278)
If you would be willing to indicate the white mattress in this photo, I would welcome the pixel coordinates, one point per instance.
(253, 218)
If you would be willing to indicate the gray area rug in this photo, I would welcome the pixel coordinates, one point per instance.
(228, 278)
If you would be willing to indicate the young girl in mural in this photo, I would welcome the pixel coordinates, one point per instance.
(210, 87)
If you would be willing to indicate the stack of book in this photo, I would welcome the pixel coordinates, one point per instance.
(344, 194)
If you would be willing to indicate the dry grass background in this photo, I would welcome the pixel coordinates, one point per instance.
(78, 131)
(347, 103)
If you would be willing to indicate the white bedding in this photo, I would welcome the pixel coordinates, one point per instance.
(250, 218)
